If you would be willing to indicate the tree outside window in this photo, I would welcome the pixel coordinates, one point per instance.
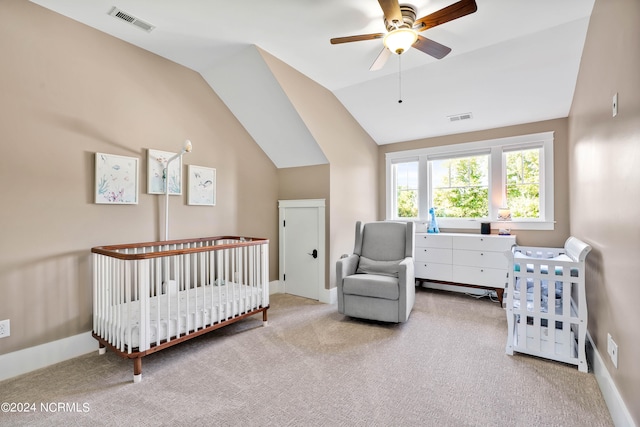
(473, 180)
(461, 187)
(406, 179)
(523, 183)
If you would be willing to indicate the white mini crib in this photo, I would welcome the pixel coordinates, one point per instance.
(149, 296)
(546, 304)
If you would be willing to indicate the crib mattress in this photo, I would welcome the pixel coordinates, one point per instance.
(173, 314)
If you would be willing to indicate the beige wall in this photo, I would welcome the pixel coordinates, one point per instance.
(67, 92)
(554, 238)
(307, 182)
(352, 155)
(605, 185)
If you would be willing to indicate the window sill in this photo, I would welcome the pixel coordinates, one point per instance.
(472, 224)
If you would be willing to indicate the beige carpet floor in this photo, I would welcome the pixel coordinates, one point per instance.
(314, 367)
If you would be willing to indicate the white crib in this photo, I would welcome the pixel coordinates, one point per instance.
(149, 296)
(546, 304)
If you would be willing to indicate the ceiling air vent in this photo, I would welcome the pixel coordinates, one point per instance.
(458, 117)
(119, 14)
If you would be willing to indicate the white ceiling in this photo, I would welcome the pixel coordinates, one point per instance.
(512, 61)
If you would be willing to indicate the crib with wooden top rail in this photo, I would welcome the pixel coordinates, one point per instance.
(150, 296)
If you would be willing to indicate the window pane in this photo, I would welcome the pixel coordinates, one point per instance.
(460, 187)
(406, 191)
(523, 183)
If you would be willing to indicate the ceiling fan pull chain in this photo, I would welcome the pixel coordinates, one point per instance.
(399, 79)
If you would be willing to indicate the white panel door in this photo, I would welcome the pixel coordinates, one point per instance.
(301, 251)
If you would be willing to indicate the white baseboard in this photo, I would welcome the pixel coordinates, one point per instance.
(276, 287)
(32, 358)
(327, 296)
(619, 413)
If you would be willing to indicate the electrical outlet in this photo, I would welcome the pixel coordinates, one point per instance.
(615, 105)
(5, 328)
(612, 349)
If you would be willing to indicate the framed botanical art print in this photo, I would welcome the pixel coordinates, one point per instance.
(202, 186)
(116, 179)
(157, 162)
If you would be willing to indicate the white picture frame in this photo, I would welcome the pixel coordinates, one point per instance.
(116, 179)
(157, 162)
(201, 186)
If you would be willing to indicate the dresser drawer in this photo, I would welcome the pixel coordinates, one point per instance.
(480, 259)
(442, 256)
(484, 243)
(433, 271)
(433, 240)
(482, 276)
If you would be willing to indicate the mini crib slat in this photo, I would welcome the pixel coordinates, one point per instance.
(225, 275)
(202, 281)
(142, 289)
(98, 285)
(176, 269)
(219, 282)
(167, 281)
(211, 272)
(113, 299)
(126, 287)
(157, 271)
(250, 272)
(187, 287)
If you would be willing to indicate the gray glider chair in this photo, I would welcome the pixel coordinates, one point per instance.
(377, 281)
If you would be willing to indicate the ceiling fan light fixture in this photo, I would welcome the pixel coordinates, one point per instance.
(400, 39)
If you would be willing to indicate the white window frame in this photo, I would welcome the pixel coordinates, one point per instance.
(497, 185)
(391, 178)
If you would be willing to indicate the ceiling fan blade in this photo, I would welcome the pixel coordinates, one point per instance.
(432, 48)
(391, 10)
(449, 13)
(380, 60)
(338, 40)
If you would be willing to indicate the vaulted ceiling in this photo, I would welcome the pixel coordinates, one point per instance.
(512, 61)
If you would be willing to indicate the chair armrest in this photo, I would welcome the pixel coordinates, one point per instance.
(407, 288)
(346, 267)
(406, 271)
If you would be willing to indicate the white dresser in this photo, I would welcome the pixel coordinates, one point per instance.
(470, 260)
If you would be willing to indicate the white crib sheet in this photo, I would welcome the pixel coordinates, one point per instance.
(181, 312)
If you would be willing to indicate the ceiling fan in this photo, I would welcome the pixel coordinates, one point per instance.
(403, 28)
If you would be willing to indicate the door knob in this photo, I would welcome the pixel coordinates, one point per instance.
(314, 253)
